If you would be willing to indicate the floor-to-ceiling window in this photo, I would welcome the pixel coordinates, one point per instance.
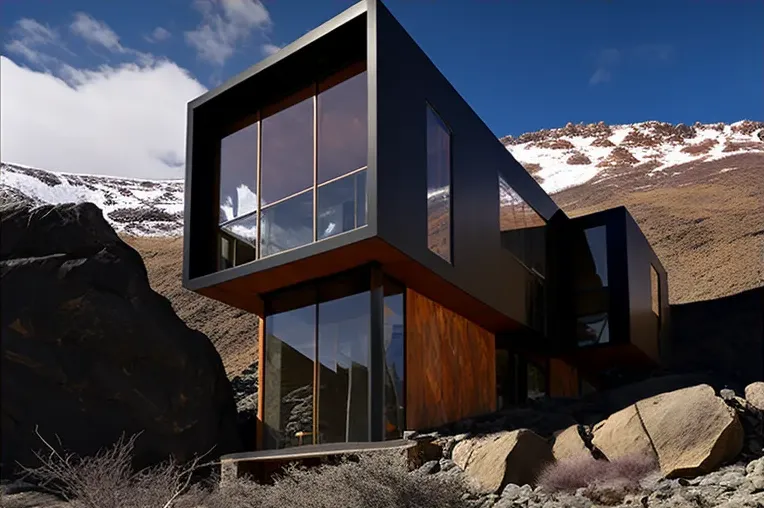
(394, 401)
(330, 400)
(296, 173)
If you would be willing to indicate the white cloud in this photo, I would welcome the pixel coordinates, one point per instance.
(28, 37)
(125, 121)
(159, 34)
(225, 24)
(96, 32)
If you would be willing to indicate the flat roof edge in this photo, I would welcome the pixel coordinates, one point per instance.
(346, 16)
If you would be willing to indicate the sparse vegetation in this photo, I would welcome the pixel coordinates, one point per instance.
(605, 481)
(107, 480)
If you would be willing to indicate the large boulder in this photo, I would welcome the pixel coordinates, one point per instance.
(495, 460)
(568, 444)
(692, 430)
(623, 434)
(90, 352)
(754, 395)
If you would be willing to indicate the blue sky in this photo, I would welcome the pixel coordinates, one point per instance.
(522, 65)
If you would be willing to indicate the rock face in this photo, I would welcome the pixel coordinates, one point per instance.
(89, 351)
(692, 430)
(568, 444)
(495, 460)
(622, 434)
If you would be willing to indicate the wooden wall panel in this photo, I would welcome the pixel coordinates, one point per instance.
(450, 365)
(563, 379)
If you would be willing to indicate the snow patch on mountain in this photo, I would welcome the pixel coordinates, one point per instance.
(558, 158)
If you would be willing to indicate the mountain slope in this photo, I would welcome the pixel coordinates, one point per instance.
(696, 191)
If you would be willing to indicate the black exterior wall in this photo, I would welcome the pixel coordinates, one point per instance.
(407, 81)
(644, 325)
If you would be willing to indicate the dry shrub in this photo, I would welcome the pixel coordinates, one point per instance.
(606, 482)
(379, 480)
(106, 480)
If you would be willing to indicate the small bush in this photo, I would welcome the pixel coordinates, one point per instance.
(605, 481)
(377, 480)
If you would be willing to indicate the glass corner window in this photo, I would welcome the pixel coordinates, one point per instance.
(296, 175)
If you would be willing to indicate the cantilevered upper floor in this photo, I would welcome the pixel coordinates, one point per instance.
(349, 147)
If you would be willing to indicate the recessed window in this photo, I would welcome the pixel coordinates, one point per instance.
(438, 186)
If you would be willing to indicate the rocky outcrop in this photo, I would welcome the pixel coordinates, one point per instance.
(495, 460)
(89, 351)
(692, 430)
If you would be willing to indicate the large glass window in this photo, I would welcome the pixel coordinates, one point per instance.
(287, 224)
(342, 128)
(591, 282)
(343, 348)
(287, 159)
(298, 175)
(290, 351)
(333, 324)
(438, 186)
(237, 215)
(394, 363)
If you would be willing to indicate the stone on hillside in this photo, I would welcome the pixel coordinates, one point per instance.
(623, 434)
(692, 430)
(90, 351)
(568, 444)
(754, 394)
(498, 459)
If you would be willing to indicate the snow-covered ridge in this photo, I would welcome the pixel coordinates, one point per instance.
(557, 158)
(132, 206)
(577, 153)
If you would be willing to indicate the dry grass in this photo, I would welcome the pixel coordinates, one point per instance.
(605, 481)
(107, 481)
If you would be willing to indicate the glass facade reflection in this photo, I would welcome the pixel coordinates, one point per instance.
(317, 386)
(438, 186)
(290, 352)
(394, 364)
(592, 296)
(343, 348)
(297, 175)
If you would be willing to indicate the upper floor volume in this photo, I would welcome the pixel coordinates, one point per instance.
(307, 164)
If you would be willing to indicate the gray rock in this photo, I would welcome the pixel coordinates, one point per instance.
(727, 394)
(429, 467)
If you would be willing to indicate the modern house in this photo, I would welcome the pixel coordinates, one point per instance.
(407, 271)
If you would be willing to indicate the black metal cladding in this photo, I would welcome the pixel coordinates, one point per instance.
(407, 82)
